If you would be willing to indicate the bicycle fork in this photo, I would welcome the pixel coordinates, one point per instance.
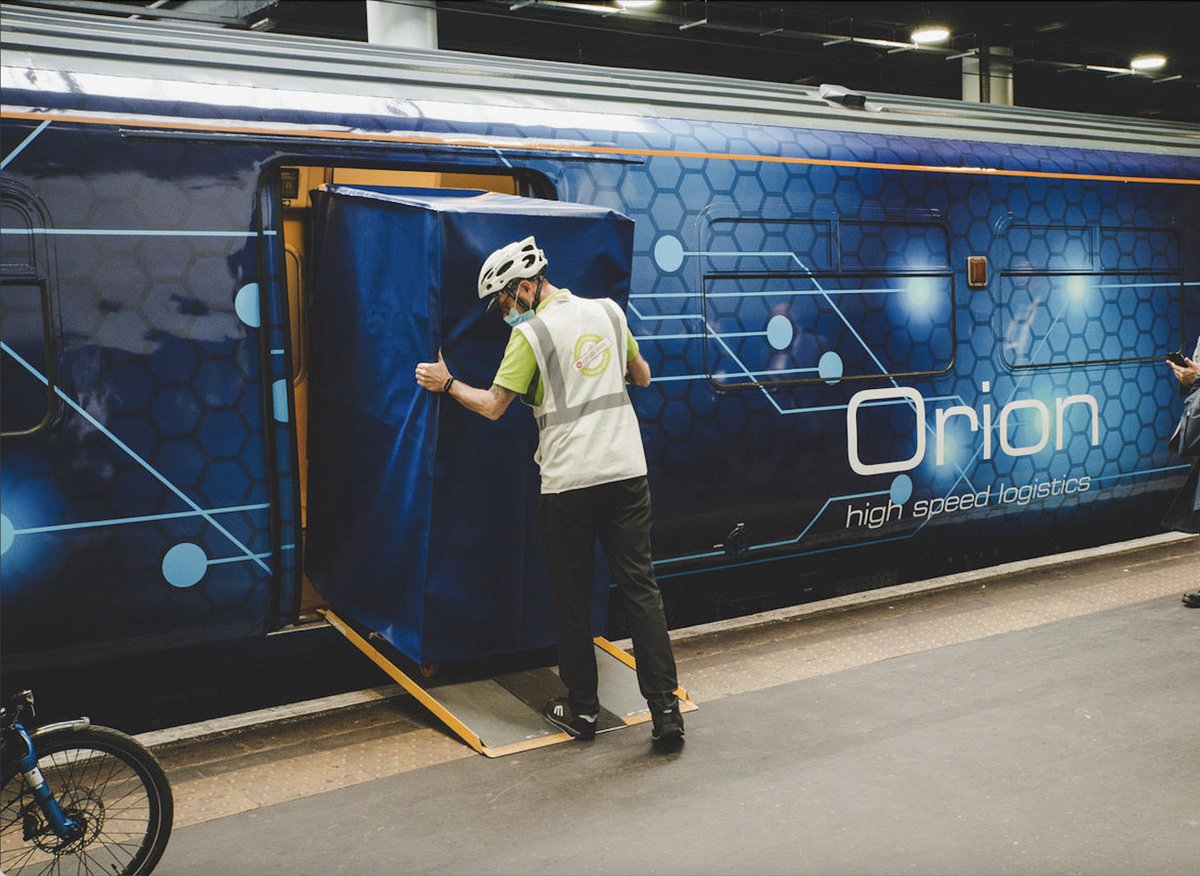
(64, 828)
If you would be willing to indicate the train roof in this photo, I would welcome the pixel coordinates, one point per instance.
(96, 54)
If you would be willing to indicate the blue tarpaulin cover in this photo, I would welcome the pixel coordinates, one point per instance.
(422, 516)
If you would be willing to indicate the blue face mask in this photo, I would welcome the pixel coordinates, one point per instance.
(515, 319)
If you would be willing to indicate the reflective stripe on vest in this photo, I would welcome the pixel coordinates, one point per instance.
(557, 381)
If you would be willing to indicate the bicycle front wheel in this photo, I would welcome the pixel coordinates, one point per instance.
(106, 782)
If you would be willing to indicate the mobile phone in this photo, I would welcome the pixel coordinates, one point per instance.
(1177, 358)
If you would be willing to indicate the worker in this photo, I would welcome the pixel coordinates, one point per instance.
(570, 359)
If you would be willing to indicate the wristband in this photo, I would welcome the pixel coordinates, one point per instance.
(449, 383)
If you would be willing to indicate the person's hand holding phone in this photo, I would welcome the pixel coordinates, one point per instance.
(1186, 371)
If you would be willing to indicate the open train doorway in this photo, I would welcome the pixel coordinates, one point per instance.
(296, 182)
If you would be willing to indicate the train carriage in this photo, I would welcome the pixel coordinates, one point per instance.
(890, 337)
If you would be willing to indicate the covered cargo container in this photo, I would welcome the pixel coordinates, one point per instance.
(422, 516)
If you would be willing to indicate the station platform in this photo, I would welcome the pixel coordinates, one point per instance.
(1034, 719)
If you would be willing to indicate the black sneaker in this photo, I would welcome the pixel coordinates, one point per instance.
(668, 727)
(558, 712)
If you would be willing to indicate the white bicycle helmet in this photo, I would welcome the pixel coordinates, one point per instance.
(518, 260)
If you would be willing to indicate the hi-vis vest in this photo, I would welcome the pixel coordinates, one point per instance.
(588, 430)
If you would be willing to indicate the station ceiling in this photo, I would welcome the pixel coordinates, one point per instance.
(1067, 55)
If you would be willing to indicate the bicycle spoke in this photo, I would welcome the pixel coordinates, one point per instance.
(111, 841)
(100, 785)
(21, 862)
(15, 821)
(137, 786)
(83, 861)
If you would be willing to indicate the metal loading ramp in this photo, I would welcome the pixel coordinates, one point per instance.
(503, 715)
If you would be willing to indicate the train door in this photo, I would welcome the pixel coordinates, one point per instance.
(296, 599)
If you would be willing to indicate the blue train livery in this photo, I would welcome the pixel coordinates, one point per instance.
(887, 341)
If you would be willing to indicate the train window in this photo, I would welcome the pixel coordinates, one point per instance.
(27, 400)
(1086, 295)
(809, 301)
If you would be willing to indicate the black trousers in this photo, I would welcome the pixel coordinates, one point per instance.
(619, 514)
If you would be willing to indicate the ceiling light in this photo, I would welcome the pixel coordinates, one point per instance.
(1148, 62)
(930, 33)
(636, 4)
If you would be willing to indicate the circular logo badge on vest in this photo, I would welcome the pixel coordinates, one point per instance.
(591, 355)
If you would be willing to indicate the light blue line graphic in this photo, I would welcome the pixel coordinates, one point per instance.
(1144, 285)
(1045, 339)
(782, 293)
(742, 255)
(277, 352)
(840, 547)
(664, 316)
(846, 322)
(1130, 474)
(640, 338)
(791, 293)
(746, 371)
(257, 557)
(133, 455)
(32, 135)
(500, 155)
(120, 521)
(134, 232)
(719, 376)
(795, 540)
(816, 517)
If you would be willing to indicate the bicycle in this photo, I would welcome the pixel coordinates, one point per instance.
(78, 796)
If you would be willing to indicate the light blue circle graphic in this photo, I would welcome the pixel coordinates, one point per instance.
(184, 564)
(780, 332)
(279, 400)
(668, 253)
(246, 305)
(6, 534)
(830, 367)
(901, 490)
